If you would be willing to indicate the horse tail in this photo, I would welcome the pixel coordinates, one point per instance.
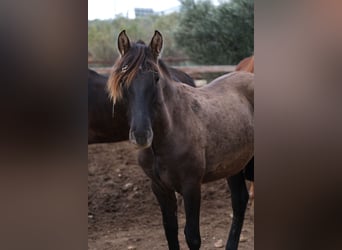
(246, 86)
(247, 65)
(249, 92)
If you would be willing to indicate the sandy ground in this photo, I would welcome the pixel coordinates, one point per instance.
(124, 214)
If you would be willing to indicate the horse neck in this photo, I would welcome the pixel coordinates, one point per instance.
(163, 123)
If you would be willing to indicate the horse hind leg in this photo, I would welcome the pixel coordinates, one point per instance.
(168, 205)
(192, 203)
(249, 175)
(239, 197)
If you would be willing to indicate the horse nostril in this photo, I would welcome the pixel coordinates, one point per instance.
(141, 137)
(148, 133)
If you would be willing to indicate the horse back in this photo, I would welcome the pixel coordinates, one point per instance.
(239, 82)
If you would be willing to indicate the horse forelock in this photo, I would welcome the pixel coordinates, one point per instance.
(126, 68)
(140, 42)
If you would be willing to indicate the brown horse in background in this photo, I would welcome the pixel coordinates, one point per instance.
(247, 64)
(187, 136)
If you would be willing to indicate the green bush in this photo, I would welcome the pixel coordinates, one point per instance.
(216, 35)
(206, 33)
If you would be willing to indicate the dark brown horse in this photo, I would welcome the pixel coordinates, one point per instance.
(187, 136)
(103, 126)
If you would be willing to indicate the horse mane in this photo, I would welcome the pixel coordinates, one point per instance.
(127, 66)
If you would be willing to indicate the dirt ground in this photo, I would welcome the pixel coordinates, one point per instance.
(124, 214)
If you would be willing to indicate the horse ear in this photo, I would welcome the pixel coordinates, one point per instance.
(123, 43)
(156, 44)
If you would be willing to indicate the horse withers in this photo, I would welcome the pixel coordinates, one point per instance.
(187, 136)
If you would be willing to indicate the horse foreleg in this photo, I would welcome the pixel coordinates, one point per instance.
(239, 196)
(192, 203)
(168, 205)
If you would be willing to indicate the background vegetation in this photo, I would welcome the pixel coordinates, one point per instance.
(202, 32)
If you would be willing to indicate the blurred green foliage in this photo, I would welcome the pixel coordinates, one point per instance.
(102, 34)
(208, 34)
(216, 35)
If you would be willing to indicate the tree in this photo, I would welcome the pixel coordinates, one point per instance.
(102, 34)
(216, 35)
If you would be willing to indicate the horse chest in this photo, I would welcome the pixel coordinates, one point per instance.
(164, 169)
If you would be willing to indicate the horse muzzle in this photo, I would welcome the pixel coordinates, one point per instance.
(143, 139)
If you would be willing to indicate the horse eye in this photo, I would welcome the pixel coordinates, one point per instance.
(156, 77)
(124, 68)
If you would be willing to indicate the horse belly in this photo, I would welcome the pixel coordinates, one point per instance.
(229, 167)
(231, 147)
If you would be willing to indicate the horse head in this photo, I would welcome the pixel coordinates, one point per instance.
(135, 78)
